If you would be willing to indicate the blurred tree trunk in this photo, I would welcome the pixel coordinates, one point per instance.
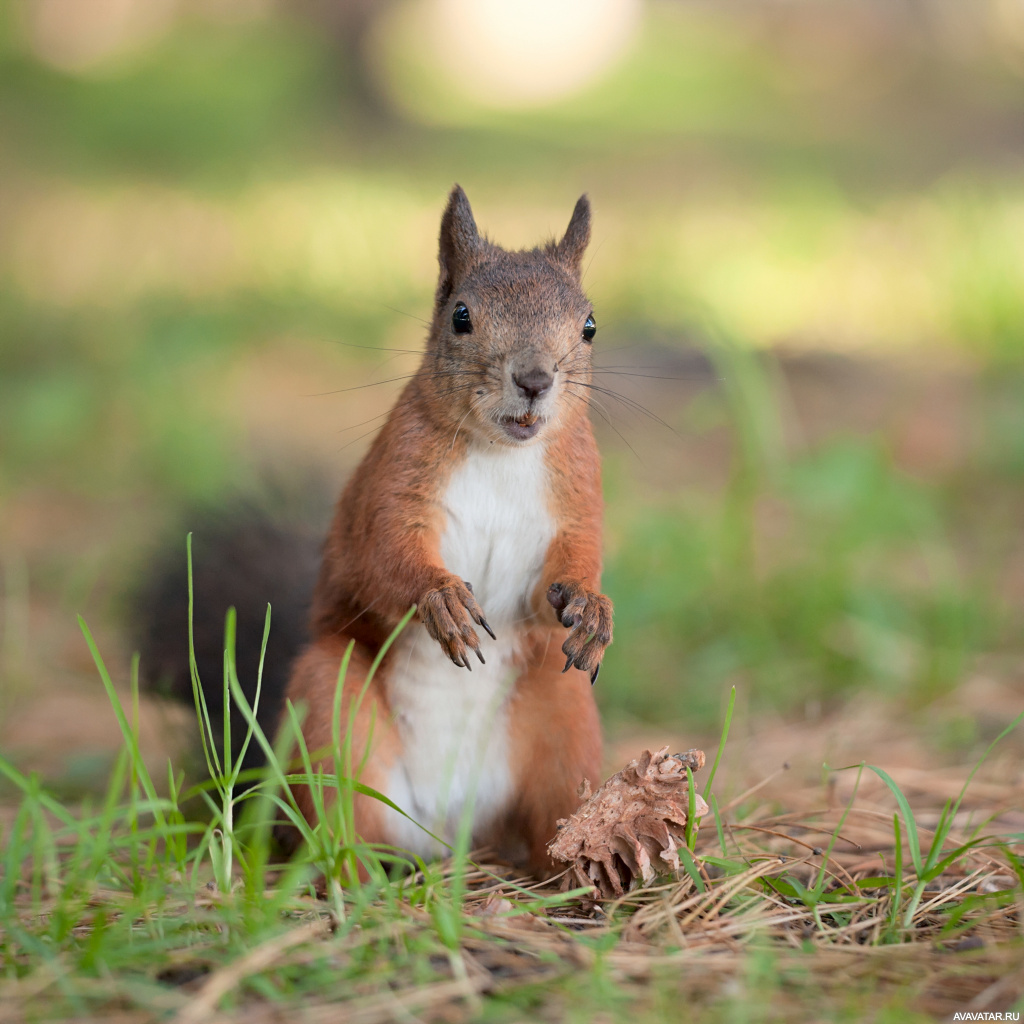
(348, 23)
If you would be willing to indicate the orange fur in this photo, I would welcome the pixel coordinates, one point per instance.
(313, 683)
(556, 744)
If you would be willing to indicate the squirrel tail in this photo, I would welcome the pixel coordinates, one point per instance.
(242, 557)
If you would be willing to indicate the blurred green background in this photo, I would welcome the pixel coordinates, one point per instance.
(808, 272)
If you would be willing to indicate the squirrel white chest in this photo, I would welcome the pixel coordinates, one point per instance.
(499, 527)
(454, 723)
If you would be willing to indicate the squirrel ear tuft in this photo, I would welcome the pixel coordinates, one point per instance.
(458, 244)
(571, 248)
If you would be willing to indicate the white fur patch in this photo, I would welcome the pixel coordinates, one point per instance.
(453, 723)
(499, 528)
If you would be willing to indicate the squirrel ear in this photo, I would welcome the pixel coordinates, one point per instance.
(458, 243)
(571, 248)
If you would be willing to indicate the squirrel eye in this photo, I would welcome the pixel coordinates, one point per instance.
(461, 324)
(589, 329)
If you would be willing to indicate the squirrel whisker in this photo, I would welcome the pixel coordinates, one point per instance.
(603, 413)
(628, 402)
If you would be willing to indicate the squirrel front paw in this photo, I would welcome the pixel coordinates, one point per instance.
(448, 612)
(589, 616)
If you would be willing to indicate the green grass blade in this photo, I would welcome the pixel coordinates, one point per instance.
(913, 842)
(21, 782)
(691, 810)
(984, 757)
(198, 696)
(690, 867)
(721, 743)
(897, 891)
(126, 730)
(256, 697)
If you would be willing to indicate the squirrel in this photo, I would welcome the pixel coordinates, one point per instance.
(479, 502)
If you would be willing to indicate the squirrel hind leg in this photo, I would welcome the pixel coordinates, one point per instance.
(555, 736)
(313, 682)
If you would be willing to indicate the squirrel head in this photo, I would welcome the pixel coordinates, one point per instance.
(509, 355)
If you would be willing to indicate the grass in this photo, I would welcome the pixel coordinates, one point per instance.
(141, 907)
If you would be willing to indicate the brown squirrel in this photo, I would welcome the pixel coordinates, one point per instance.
(479, 502)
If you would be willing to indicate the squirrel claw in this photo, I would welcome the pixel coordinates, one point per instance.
(482, 622)
(448, 612)
(588, 617)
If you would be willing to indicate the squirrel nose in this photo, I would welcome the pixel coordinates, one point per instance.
(534, 382)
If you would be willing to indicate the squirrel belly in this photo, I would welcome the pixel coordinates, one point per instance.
(453, 724)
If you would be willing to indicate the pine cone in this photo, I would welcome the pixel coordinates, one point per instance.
(629, 832)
